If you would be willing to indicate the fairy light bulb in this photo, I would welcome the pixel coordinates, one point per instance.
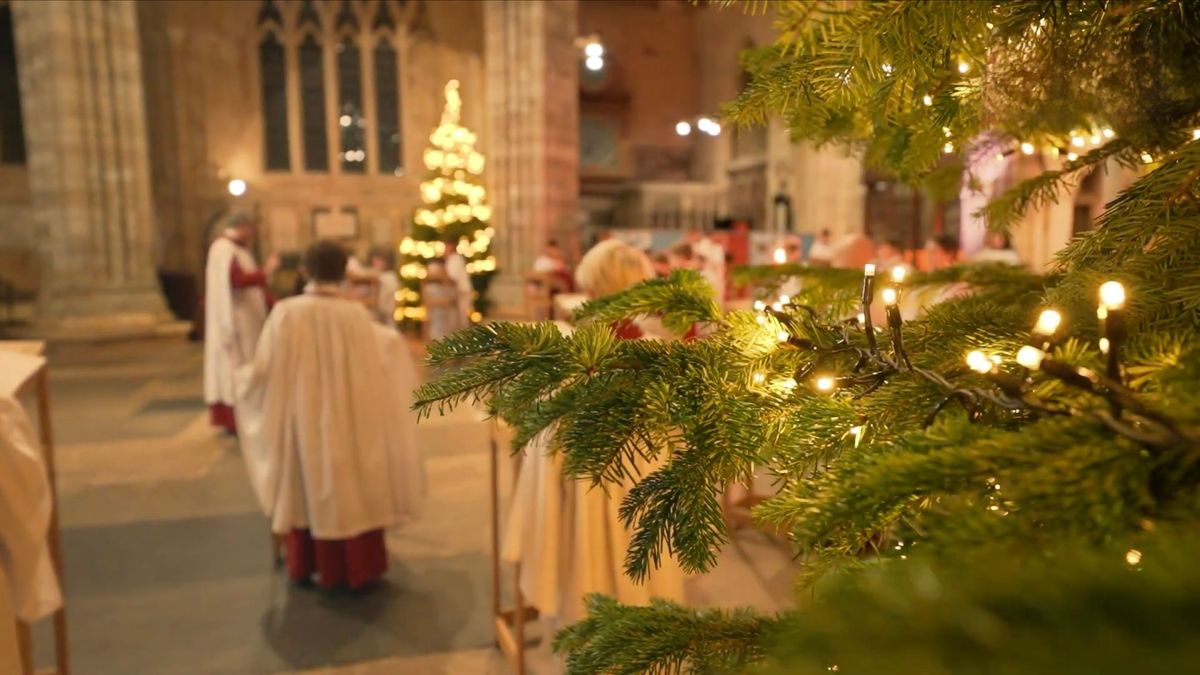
(1072, 156)
(1048, 322)
(759, 305)
(782, 336)
(890, 297)
(979, 362)
(963, 67)
(780, 256)
(824, 383)
(1112, 295)
(862, 318)
(758, 378)
(898, 274)
(927, 99)
(869, 270)
(1030, 357)
(1027, 148)
(1077, 141)
(1147, 158)
(1133, 556)
(784, 299)
(789, 384)
(760, 320)
(1107, 132)
(777, 306)
(1104, 345)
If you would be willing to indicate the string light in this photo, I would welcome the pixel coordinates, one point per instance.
(1072, 156)
(1133, 557)
(825, 383)
(898, 274)
(1077, 141)
(869, 269)
(758, 378)
(890, 296)
(927, 99)
(783, 336)
(1147, 158)
(759, 305)
(1107, 132)
(948, 148)
(886, 68)
(963, 67)
(784, 299)
(1196, 134)
(780, 256)
(979, 362)
(1030, 357)
(683, 128)
(1048, 322)
(1027, 148)
(1112, 295)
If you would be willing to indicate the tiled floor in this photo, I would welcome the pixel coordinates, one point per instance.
(168, 561)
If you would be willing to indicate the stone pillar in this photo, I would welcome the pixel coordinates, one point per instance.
(533, 133)
(81, 95)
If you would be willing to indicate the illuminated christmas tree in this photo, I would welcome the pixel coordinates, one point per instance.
(455, 211)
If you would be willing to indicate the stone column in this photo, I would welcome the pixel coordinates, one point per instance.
(532, 132)
(82, 99)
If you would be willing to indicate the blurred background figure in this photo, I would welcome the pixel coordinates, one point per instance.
(710, 261)
(998, 249)
(440, 294)
(889, 253)
(821, 252)
(456, 270)
(681, 256)
(854, 251)
(941, 251)
(549, 277)
(383, 263)
(661, 262)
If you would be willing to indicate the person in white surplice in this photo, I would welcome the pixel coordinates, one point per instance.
(28, 585)
(326, 430)
(567, 534)
(235, 308)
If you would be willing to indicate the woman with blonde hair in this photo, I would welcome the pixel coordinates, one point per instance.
(567, 533)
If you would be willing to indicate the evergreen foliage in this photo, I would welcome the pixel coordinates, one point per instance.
(455, 213)
(1017, 521)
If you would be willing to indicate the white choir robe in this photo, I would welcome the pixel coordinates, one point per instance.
(233, 319)
(456, 269)
(712, 265)
(325, 422)
(28, 584)
(568, 536)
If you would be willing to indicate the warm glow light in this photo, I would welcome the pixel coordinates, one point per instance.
(927, 99)
(1107, 132)
(1027, 148)
(1147, 158)
(979, 362)
(703, 124)
(1112, 295)
(683, 128)
(1095, 139)
(1048, 322)
(1133, 556)
(1072, 156)
(594, 49)
(713, 129)
(789, 384)
(963, 67)
(1077, 141)
(862, 318)
(594, 63)
(825, 383)
(948, 148)
(760, 319)
(1030, 357)
(898, 273)
(1196, 134)
(784, 299)
(237, 187)
(777, 306)
(344, 120)
(780, 256)
(890, 297)
(760, 305)
(1104, 345)
(758, 378)
(886, 68)
(869, 269)
(782, 336)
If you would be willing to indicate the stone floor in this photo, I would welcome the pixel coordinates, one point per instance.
(168, 559)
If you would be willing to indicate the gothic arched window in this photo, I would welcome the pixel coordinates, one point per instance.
(312, 105)
(352, 123)
(12, 127)
(272, 66)
(389, 132)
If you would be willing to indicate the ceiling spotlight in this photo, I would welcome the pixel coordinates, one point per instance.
(237, 187)
(593, 49)
(683, 128)
(594, 63)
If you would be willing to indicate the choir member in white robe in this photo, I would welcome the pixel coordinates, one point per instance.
(235, 307)
(456, 269)
(326, 429)
(712, 261)
(566, 533)
(29, 588)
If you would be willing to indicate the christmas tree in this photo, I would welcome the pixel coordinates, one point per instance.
(1007, 484)
(455, 213)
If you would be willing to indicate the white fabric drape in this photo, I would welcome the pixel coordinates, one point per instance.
(233, 319)
(324, 419)
(29, 587)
